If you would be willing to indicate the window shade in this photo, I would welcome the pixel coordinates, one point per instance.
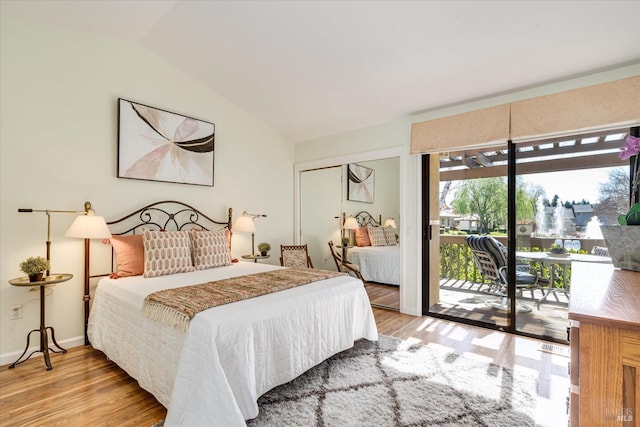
(607, 105)
(475, 128)
(604, 106)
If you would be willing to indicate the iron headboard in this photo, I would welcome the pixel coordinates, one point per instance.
(166, 215)
(364, 218)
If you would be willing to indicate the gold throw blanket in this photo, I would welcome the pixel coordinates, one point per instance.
(177, 306)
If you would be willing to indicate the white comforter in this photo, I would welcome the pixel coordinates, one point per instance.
(232, 354)
(377, 263)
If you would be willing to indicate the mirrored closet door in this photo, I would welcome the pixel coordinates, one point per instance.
(369, 192)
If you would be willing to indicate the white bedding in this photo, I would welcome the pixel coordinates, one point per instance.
(232, 354)
(377, 263)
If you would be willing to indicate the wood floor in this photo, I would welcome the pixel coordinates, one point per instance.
(85, 389)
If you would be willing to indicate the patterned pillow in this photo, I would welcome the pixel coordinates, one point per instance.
(209, 248)
(129, 252)
(166, 252)
(376, 235)
(390, 236)
(362, 237)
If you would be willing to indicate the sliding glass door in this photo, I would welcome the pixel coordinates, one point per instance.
(566, 188)
(472, 232)
(536, 206)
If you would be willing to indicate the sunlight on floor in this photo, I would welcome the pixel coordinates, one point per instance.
(493, 340)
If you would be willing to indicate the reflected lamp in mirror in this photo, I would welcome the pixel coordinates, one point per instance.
(350, 224)
(390, 222)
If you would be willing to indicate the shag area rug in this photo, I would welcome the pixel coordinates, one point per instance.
(394, 383)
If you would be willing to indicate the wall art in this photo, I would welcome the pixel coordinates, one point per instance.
(158, 145)
(360, 185)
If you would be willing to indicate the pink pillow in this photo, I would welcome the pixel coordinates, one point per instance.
(129, 252)
(362, 237)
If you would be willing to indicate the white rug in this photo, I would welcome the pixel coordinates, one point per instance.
(390, 383)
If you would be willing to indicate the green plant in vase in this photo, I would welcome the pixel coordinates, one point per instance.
(263, 248)
(557, 249)
(632, 148)
(34, 267)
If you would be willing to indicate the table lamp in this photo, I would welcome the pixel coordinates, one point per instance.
(245, 223)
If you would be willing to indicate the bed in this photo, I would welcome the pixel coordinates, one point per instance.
(231, 354)
(379, 264)
(379, 261)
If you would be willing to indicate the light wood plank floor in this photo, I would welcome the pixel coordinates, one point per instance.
(85, 389)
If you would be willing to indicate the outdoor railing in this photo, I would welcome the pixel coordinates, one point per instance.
(456, 259)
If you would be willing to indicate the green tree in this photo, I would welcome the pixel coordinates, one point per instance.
(527, 196)
(485, 197)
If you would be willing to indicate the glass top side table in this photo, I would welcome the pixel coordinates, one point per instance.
(44, 336)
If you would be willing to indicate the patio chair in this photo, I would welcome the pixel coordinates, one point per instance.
(295, 256)
(343, 265)
(491, 258)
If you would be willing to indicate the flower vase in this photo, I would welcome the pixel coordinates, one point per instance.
(623, 242)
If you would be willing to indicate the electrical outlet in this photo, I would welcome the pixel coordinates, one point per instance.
(15, 312)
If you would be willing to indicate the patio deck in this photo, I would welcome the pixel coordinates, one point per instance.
(465, 299)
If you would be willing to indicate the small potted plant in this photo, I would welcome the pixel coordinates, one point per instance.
(557, 249)
(264, 247)
(34, 267)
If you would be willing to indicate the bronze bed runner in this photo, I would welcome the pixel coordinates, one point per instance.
(177, 306)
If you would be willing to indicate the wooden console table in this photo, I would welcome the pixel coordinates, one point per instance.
(604, 311)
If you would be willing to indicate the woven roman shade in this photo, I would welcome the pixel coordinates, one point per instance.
(475, 128)
(604, 106)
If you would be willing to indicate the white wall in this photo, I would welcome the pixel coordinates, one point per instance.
(398, 133)
(58, 147)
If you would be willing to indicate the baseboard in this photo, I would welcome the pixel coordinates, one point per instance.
(9, 358)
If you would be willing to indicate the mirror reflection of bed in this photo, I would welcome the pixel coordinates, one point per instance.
(324, 198)
(375, 250)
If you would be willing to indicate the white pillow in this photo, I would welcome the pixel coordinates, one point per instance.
(376, 235)
(210, 248)
(390, 236)
(166, 252)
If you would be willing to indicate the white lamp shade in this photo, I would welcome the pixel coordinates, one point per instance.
(244, 223)
(351, 224)
(89, 227)
(390, 223)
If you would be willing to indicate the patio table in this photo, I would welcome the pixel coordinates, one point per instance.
(556, 262)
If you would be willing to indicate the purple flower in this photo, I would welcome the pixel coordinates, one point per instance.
(631, 148)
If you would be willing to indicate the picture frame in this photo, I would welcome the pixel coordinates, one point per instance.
(158, 145)
(360, 184)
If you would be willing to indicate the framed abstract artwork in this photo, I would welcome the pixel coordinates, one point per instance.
(158, 145)
(360, 185)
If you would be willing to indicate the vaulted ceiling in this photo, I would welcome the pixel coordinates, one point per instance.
(316, 68)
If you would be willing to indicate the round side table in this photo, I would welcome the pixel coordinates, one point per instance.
(255, 257)
(44, 337)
